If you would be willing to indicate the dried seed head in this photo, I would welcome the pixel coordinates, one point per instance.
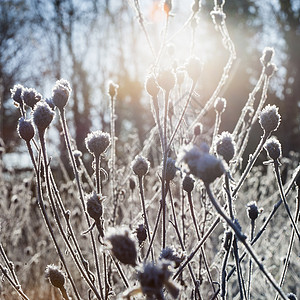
(225, 146)
(252, 210)
(153, 277)
(292, 296)
(169, 253)
(140, 166)
(31, 97)
(220, 105)
(55, 276)
(273, 148)
(25, 129)
(42, 115)
(194, 68)
(131, 184)
(166, 80)
(198, 129)
(141, 234)
(267, 56)
(188, 184)
(270, 69)
(94, 206)
(97, 142)
(122, 245)
(202, 164)
(170, 169)
(61, 93)
(269, 118)
(151, 85)
(112, 89)
(16, 93)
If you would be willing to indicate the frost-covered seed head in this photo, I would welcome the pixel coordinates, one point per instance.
(273, 147)
(267, 55)
(194, 68)
(153, 277)
(170, 169)
(31, 97)
(252, 210)
(141, 233)
(188, 184)
(269, 118)
(94, 206)
(25, 129)
(16, 93)
(97, 142)
(42, 115)
(123, 246)
(131, 184)
(152, 87)
(270, 69)
(201, 164)
(225, 146)
(166, 80)
(55, 276)
(198, 129)
(112, 89)
(220, 105)
(169, 253)
(140, 166)
(61, 93)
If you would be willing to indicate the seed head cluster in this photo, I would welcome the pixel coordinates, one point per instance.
(61, 93)
(269, 118)
(273, 148)
(97, 142)
(225, 146)
(42, 115)
(31, 97)
(140, 166)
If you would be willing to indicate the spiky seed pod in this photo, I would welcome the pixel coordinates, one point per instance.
(227, 239)
(153, 277)
(170, 169)
(169, 253)
(140, 166)
(94, 206)
(55, 276)
(198, 129)
(31, 97)
(123, 246)
(151, 86)
(112, 89)
(273, 148)
(194, 68)
(292, 296)
(202, 164)
(269, 118)
(141, 234)
(225, 146)
(42, 115)
(97, 142)
(166, 80)
(267, 56)
(25, 129)
(220, 105)
(188, 184)
(16, 93)
(252, 210)
(61, 93)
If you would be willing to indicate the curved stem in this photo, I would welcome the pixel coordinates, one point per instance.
(250, 261)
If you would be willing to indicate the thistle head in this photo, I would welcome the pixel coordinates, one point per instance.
(61, 93)
(94, 206)
(198, 128)
(252, 210)
(16, 93)
(169, 253)
(97, 142)
(194, 68)
(267, 56)
(225, 146)
(220, 105)
(140, 166)
(269, 118)
(56, 276)
(31, 97)
(270, 69)
(25, 129)
(42, 116)
(170, 169)
(122, 245)
(141, 233)
(112, 89)
(188, 184)
(151, 85)
(273, 148)
(166, 80)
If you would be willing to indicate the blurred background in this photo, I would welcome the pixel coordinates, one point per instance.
(93, 41)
